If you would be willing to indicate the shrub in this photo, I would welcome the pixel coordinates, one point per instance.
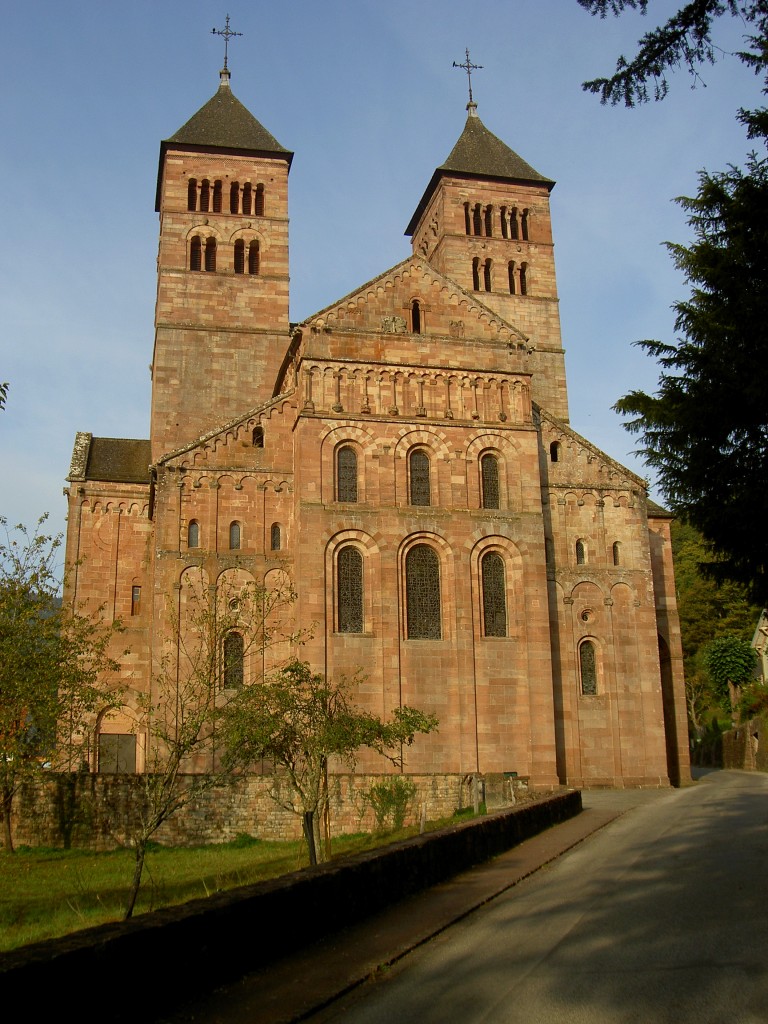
(391, 798)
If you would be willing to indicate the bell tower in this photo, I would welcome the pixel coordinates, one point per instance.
(221, 319)
(484, 221)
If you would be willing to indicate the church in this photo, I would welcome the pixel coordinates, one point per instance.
(404, 458)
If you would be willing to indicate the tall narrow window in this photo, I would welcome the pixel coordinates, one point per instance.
(196, 254)
(217, 197)
(346, 474)
(489, 481)
(258, 437)
(487, 275)
(234, 197)
(523, 278)
(253, 257)
(477, 220)
(422, 586)
(476, 274)
(504, 222)
(234, 658)
(210, 254)
(193, 534)
(467, 219)
(524, 225)
(418, 471)
(489, 221)
(513, 224)
(416, 316)
(205, 195)
(512, 270)
(135, 600)
(494, 595)
(349, 568)
(617, 553)
(247, 192)
(192, 194)
(258, 201)
(554, 451)
(234, 536)
(275, 537)
(588, 668)
(581, 553)
(239, 256)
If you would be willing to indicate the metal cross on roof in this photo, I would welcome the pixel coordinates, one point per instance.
(227, 33)
(469, 67)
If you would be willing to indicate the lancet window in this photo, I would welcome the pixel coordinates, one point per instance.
(422, 585)
(494, 595)
(349, 590)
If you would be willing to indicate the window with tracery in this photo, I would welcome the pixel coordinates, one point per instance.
(588, 668)
(489, 481)
(418, 471)
(234, 536)
(581, 553)
(422, 587)
(494, 595)
(193, 534)
(275, 537)
(349, 590)
(234, 659)
(346, 474)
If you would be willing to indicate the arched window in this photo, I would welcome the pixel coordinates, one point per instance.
(247, 193)
(196, 253)
(581, 553)
(205, 195)
(524, 225)
(258, 437)
(234, 658)
(513, 224)
(489, 221)
(239, 256)
(554, 451)
(489, 481)
(416, 316)
(467, 219)
(192, 194)
(476, 274)
(349, 590)
(477, 220)
(346, 474)
(210, 254)
(511, 270)
(523, 278)
(258, 201)
(588, 668)
(217, 197)
(422, 587)
(275, 537)
(418, 473)
(193, 534)
(487, 275)
(253, 257)
(504, 222)
(234, 536)
(234, 197)
(494, 595)
(617, 553)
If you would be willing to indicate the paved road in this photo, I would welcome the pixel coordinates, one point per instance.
(662, 916)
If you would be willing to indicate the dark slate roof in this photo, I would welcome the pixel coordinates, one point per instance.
(118, 459)
(480, 154)
(224, 123)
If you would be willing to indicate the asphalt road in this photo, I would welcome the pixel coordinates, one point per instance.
(662, 916)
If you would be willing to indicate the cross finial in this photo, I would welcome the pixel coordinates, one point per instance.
(227, 33)
(469, 67)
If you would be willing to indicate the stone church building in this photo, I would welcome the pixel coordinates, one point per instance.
(405, 456)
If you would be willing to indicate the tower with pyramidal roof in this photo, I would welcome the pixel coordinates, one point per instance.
(403, 459)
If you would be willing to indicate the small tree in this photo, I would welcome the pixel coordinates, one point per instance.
(56, 674)
(199, 676)
(731, 663)
(298, 720)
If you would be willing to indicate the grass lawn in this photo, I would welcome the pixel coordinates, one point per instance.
(48, 893)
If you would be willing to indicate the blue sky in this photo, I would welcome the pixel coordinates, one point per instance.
(365, 94)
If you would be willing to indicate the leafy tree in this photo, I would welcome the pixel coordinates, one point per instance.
(56, 674)
(731, 662)
(298, 720)
(197, 680)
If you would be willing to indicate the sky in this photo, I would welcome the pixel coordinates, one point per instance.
(365, 94)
